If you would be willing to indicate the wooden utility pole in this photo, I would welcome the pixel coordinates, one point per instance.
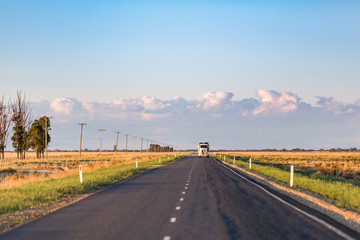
(141, 145)
(126, 135)
(117, 140)
(101, 130)
(134, 142)
(82, 125)
(46, 143)
(147, 145)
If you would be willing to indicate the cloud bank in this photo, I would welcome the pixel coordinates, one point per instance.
(269, 119)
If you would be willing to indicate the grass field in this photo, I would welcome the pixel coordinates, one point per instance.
(335, 163)
(345, 192)
(18, 172)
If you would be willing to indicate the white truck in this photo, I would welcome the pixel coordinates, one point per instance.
(203, 149)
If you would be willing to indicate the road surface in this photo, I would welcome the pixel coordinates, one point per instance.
(189, 199)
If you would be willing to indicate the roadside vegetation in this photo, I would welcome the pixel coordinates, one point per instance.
(19, 192)
(333, 185)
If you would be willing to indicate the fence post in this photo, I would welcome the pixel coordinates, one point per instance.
(234, 161)
(250, 163)
(291, 175)
(80, 174)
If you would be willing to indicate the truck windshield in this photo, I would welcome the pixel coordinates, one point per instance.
(204, 146)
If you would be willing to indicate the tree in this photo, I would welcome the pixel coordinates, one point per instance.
(37, 135)
(21, 117)
(5, 120)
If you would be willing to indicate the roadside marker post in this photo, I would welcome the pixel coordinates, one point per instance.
(159, 159)
(291, 175)
(250, 163)
(168, 157)
(224, 158)
(137, 164)
(234, 161)
(80, 174)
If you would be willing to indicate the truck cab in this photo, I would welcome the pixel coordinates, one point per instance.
(203, 149)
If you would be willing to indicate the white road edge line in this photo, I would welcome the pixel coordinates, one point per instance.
(327, 225)
(173, 219)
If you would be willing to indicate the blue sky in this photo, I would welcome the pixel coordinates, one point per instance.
(96, 52)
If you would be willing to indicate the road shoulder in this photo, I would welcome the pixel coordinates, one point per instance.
(348, 218)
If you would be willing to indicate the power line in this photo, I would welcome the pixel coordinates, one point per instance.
(82, 125)
(126, 135)
(117, 141)
(101, 130)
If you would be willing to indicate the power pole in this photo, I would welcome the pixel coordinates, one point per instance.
(82, 125)
(134, 142)
(126, 142)
(46, 155)
(141, 145)
(117, 140)
(101, 130)
(147, 145)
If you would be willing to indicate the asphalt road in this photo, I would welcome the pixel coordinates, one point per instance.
(188, 199)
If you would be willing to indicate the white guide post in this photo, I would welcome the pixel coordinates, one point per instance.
(250, 163)
(80, 174)
(137, 164)
(224, 157)
(159, 159)
(234, 161)
(291, 175)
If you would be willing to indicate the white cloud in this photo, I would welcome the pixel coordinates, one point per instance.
(63, 105)
(329, 104)
(214, 100)
(89, 107)
(152, 117)
(272, 102)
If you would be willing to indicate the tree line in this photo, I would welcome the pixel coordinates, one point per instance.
(16, 118)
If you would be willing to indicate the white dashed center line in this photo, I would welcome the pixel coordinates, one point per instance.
(181, 199)
(178, 208)
(173, 219)
(167, 238)
(186, 188)
(183, 192)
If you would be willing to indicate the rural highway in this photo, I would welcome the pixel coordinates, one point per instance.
(188, 199)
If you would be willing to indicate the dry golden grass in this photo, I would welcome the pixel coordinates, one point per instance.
(89, 161)
(326, 162)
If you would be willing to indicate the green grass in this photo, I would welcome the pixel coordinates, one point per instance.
(48, 191)
(344, 194)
